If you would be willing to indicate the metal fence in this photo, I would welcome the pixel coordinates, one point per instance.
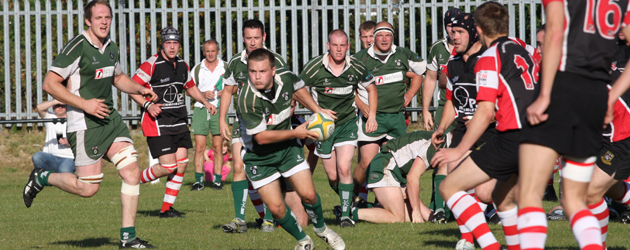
(33, 31)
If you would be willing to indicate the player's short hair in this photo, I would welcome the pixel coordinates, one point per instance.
(262, 54)
(367, 25)
(541, 28)
(254, 24)
(492, 18)
(87, 9)
(211, 41)
(337, 32)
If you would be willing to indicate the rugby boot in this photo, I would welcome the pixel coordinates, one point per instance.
(135, 243)
(32, 188)
(305, 244)
(235, 226)
(171, 213)
(333, 239)
(197, 186)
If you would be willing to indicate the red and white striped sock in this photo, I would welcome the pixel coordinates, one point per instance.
(469, 213)
(555, 169)
(532, 228)
(600, 211)
(509, 220)
(466, 234)
(257, 201)
(625, 199)
(148, 175)
(586, 230)
(173, 184)
(363, 191)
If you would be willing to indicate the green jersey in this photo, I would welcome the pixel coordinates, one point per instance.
(336, 92)
(258, 113)
(439, 55)
(90, 73)
(390, 75)
(236, 70)
(406, 148)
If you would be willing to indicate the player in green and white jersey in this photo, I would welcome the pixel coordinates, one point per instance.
(234, 78)
(394, 176)
(439, 55)
(391, 66)
(271, 149)
(89, 64)
(333, 79)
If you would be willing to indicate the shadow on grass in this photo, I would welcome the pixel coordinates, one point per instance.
(250, 225)
(90, 242)
(154, 213)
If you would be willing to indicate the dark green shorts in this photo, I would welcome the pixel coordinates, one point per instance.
(345, 134)
(266, 168)
(383, 172)
(390, 125)
(90, 145)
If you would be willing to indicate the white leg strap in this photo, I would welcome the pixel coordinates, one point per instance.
(124, 157)
(580, 170)
(182, 161)
(131, 190)
(92, 179)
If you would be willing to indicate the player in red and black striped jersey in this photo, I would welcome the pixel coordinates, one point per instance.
(164, 122)
(506, 83)
(566, 118)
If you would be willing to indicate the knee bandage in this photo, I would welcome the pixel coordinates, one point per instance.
(92, 179)
(171, 168)
(124, 157)
(182, 161)
(131, 190)
(579, 169)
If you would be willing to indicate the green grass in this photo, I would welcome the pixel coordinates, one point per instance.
(60, 220)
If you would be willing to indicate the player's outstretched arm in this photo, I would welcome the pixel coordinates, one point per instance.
(619, 88)
(52, 85)
(226, 100)
(303, 97)
(428, 87)
(413, 189)
(198, 96)
(273, 136)
(448, 117)
(125, 84)
(414, 86)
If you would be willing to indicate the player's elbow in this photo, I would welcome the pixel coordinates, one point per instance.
(262, 139)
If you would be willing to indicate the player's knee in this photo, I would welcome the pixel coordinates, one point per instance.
(484, 195)
(171, 168)
(277, 210)
(309, 197)
(125, 157)
(88, 190)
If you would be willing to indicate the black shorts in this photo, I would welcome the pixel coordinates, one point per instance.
(614, 158)
(460, 130)
(285, 185)
(168, 144)
(498, 157)
(576, 117)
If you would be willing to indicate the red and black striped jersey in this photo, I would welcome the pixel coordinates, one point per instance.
(619, 128)
(167, 81)
(507, 75)
(460, 86)
(590, 33)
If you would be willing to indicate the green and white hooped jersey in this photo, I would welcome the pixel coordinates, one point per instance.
(257, 113)
(406, 148)
(89, 72)
(336, 92)
(236, 70)
(389, 76)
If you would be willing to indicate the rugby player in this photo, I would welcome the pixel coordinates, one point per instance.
(90, 64)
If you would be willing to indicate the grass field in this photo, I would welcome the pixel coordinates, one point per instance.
(60, 220)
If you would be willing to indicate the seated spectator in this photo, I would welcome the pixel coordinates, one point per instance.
(56, 155)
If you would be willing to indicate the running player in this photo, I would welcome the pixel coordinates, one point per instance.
(208, 76)
(235, 78)
(95, 128)
(164, 121)
(566, 118)
(391, 66)
(506, 80)
(333, 78)
(271, 149)
(439, 54)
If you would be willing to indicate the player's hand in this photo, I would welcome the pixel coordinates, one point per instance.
(536, 111)
(155, 109)
(437, 138)
(467, 120)
(408, 98)
(208, 94)
(96, 107)
(329, 113)
(144, 92)
(371, 125)
(446, 155)
(302, 133)
(211, 108)
(428, 120)
(220, 93)
(64, 141)
(225, 130)
(609, 113)
(365, 111)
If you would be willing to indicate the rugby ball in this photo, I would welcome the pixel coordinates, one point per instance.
(322, 124)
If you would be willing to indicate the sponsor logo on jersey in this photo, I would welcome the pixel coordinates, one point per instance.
(350, 78)
(166, 149)
(389, 78)
(104, 72)
(95, 61)
(275, 119)
(374, 69)
(165, 80)
(482, 78)
(607, 157)
(339, 91)
(326, 82)
(286, 96)
(397, 62)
